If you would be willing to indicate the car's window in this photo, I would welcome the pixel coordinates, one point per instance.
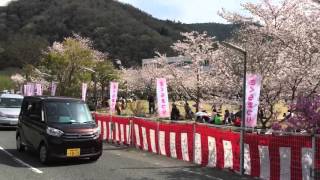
(10, 103)
(32, 109)
(67, 112)
(35, 109)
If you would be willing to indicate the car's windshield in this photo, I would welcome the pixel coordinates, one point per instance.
(67, 112)
(10, 103)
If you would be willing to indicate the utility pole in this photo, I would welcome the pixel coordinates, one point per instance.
(243, 122)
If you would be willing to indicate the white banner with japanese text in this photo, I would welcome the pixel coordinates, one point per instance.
(84, 91)
(53, 88)
(113, 95)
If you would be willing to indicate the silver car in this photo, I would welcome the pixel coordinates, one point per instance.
(10, 106)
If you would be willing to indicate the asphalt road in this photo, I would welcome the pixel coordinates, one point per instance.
(116, 163)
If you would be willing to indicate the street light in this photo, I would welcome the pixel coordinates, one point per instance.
(119, 64)
(95, 84)
(244, 52)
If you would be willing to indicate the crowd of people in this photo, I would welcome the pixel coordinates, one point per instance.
(215, 117)
(218, 118)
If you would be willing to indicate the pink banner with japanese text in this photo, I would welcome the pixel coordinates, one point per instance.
(84, 91)
(113, 95)
(162, 98)
(253, 86)
(28, 89)
(31, 87)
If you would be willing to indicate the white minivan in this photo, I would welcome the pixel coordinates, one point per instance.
(10, 106)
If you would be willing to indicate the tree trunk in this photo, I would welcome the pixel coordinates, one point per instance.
(198, 100)
(198, 92)
(102, 91)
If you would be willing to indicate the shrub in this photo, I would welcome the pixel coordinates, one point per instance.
(6, 83)
(305, 115)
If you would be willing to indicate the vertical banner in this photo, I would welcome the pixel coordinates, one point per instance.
(162, 98)
(113, 95)
(30, 87)
(253, 85)
(38, 89)
(25, 90)
(84, 91)
(53, 88)
(21, 89)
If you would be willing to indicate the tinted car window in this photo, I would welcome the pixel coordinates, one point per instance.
(67, 112)
(10, 103)
(35, 108)
(32, 108)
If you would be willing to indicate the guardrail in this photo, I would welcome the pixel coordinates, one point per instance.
(267, 156)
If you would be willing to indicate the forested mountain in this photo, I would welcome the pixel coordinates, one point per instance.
(28, 26)
(220, 31)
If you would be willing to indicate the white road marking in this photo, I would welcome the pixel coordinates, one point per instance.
(198, 173)
(21, 162)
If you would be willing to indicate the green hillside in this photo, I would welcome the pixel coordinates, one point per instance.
(220, 31)
(28, 26)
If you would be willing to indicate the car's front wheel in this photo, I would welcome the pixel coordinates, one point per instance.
(43, 154)
(20, 146)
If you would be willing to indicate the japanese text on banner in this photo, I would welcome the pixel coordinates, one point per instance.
(253, 85)
(113, 95)
(162, 98)
(30, 89)
(38, 89)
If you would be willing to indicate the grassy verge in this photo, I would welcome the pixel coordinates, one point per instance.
(180, 104)
(144, 112)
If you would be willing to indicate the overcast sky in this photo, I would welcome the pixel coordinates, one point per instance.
(186, 11)
(4, 2)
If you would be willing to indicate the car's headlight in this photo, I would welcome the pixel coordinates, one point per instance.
(54, 132)
(97, 131)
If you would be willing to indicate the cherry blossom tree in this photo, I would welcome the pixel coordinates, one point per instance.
(66, 63)
(18, 79)
(282, 41)
(306, 114)
(198, 79)
(203, 76)
(135, 82)
(189, 80)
